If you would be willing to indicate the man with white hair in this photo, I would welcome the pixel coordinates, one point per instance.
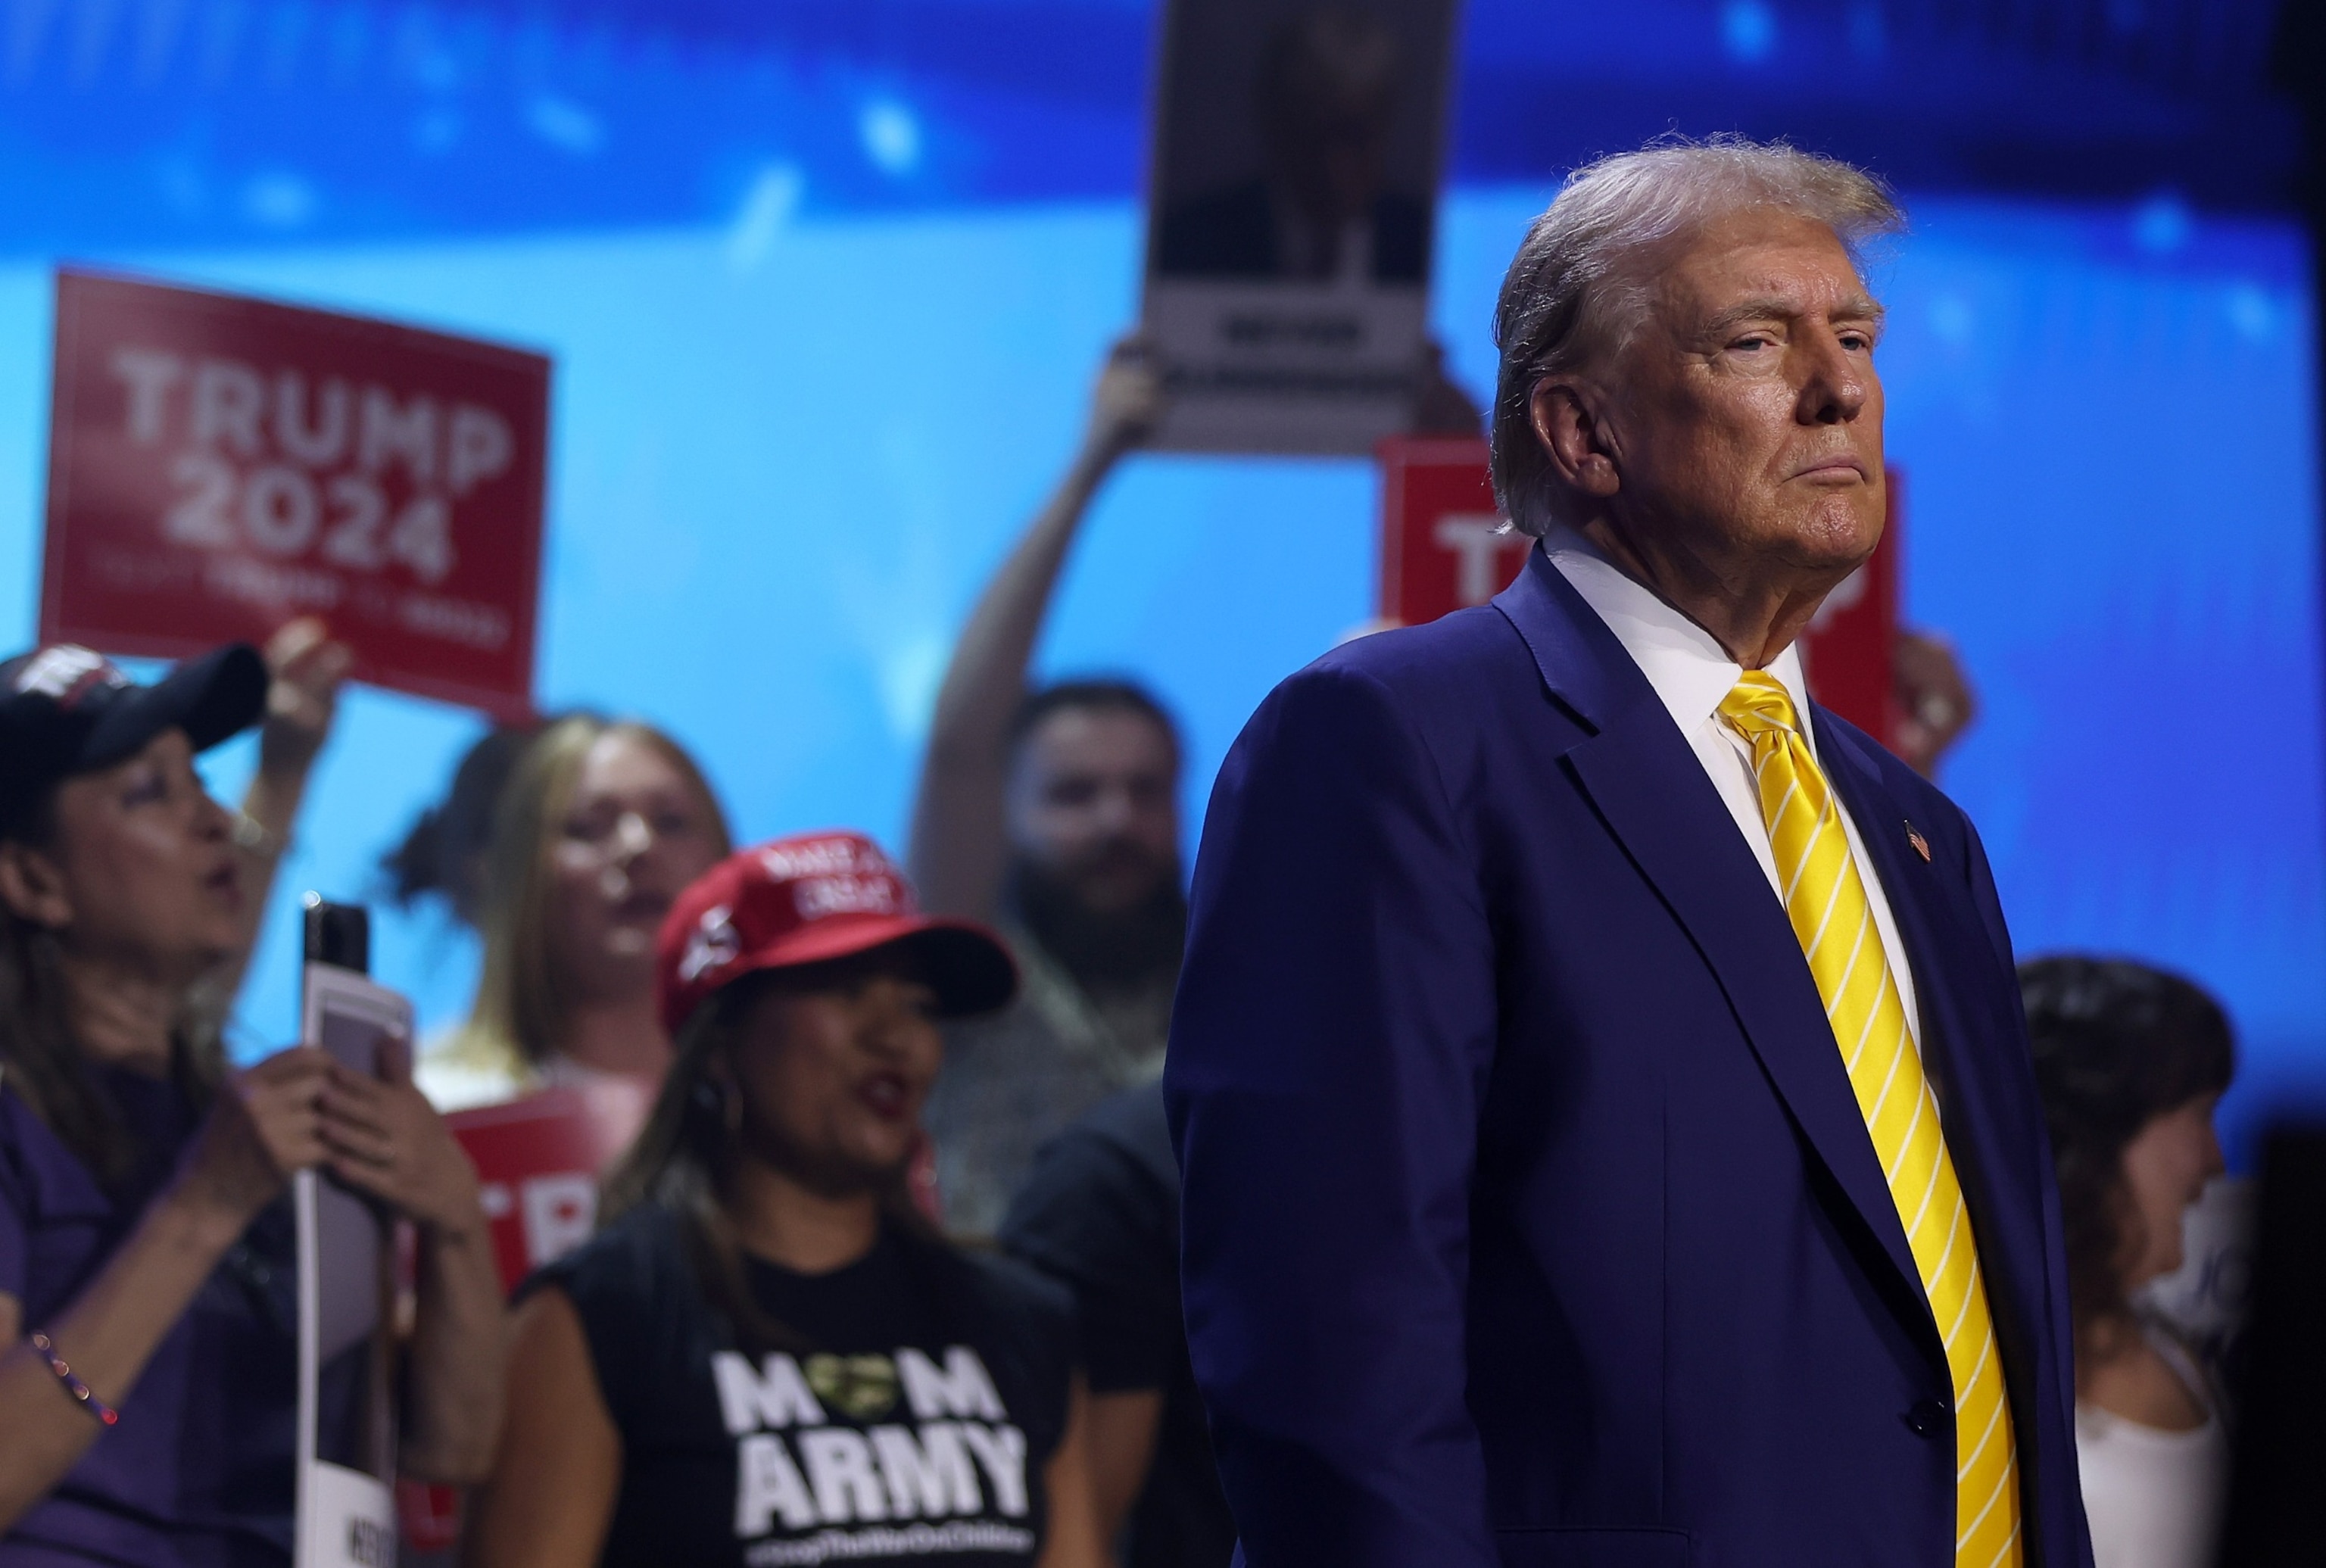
(1604, 1107)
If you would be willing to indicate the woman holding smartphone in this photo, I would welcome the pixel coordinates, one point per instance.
(767, 1356)
(147, 1296)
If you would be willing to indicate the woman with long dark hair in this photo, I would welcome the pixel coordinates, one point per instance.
(767, 1356)
(148, 1305)
(2132, 1061)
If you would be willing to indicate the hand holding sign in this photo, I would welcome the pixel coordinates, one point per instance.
(308, 667)
(219, 466)
(1129, 401)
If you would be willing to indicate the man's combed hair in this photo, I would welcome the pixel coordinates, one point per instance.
(1577, 288)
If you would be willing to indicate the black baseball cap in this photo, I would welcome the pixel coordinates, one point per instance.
(66, 709)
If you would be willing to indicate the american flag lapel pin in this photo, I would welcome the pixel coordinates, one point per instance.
(1922, 845)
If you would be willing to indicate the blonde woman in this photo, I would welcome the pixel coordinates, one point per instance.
(603, 824)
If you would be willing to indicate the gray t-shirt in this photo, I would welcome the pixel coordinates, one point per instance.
(1013, 1080)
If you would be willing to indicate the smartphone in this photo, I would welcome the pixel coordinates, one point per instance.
(337, 935)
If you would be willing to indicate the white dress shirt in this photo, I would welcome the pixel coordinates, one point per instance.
(1693, 674)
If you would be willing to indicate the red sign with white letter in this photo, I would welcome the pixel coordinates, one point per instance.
(1441, 548)
(218, 466)
(538, 1159)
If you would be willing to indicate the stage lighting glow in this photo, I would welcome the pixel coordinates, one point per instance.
(891, 134)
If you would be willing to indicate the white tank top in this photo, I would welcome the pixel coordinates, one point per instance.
(2154, 1497)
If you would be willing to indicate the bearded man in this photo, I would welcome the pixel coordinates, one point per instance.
(1052, 813)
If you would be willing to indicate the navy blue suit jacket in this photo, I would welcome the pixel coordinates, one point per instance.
(1528, 1216)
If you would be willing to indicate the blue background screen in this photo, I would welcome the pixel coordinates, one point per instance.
(825, 302)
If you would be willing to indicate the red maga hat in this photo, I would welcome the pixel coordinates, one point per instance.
(808, 899)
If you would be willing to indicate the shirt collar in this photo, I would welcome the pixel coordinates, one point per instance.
(1691, 671)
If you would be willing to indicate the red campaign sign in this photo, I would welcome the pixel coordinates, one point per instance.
(218, 466)
(1440, 550)
(538, 1159)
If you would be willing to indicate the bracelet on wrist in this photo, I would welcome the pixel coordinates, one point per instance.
(79, 1390)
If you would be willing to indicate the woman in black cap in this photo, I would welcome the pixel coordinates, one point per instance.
(147, 1301)
(767, 1357)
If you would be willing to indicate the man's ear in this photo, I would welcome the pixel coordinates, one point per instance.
(31, 888)
(1576, 441)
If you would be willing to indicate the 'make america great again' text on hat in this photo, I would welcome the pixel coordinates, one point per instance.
(807, 900)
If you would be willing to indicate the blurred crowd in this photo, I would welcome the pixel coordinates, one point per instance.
(888, 1246)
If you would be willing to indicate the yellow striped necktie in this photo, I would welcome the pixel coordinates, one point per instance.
(1825, 898)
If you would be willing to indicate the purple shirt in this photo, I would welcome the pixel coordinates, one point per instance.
(200, 1472)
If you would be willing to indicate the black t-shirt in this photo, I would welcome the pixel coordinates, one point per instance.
(912, 1425)
(1101, 1215)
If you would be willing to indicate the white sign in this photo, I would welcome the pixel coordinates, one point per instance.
(347, 1286)
(1293, 189)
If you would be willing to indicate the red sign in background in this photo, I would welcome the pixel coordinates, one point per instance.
(1440, 552)
(1441, 548)
(218, 466)
(538, 1160)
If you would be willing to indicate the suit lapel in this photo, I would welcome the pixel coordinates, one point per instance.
(1644, 779)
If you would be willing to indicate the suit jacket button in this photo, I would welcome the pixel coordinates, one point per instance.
(1928, 1418)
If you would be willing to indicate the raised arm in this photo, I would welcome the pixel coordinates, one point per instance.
(302, 696)
(1330, 1047)
(957, 852)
